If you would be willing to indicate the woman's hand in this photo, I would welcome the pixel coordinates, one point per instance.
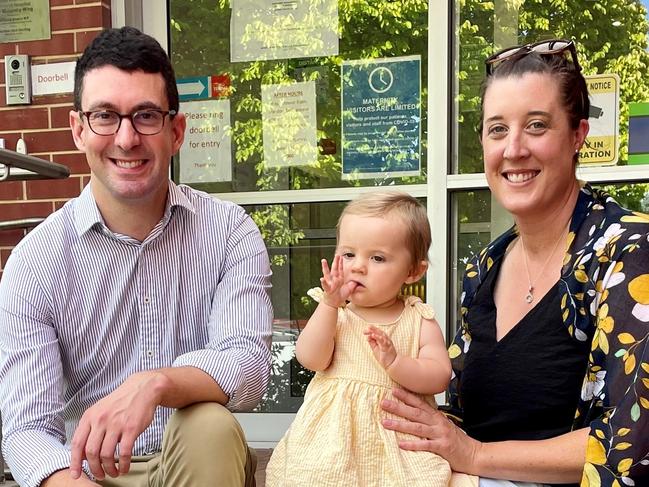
(437, 434)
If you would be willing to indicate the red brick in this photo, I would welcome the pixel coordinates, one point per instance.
(106, 17)
(2, 71)
(76, 162)
(52, 99)
(58, 3)
(76, 18)
(9, 238)
(59, 204)
(58, 45)
(28, 209)
(10, 140)
(7, 48)
(85, 38)
(4, 255)
(53, 141)
(11, 190)
(84, 181)
(53, 188)
(24, 118)
(61, 116)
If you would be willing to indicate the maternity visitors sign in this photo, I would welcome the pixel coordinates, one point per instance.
(381, 117)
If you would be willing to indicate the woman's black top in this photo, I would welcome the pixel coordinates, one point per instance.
(526, 385)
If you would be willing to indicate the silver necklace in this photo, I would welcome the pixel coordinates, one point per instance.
(529, 297)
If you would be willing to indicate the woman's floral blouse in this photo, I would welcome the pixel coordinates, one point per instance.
(604, 286)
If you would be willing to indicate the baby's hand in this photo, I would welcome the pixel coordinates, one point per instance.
(382, 346)
(335, 291)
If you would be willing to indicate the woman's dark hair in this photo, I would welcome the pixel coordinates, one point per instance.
(572, 85)
(130, 50)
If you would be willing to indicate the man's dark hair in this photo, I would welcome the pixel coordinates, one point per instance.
(130, 50)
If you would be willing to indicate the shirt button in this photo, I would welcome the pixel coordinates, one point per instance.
(149, 353)
(147, 299)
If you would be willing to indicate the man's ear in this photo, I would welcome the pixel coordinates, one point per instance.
(178, 126)
(77, 126)
(417, 272)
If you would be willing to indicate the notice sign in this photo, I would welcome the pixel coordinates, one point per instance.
(289, 124)
(24, 20)
(206, 157)
(601, 146)
(381, 117)
(48, 79)
(283, 29)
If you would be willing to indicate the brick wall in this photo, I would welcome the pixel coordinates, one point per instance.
(44, 124)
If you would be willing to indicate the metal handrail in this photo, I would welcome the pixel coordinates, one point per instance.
(22, 223)
(43, 169)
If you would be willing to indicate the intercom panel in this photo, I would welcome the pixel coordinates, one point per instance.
(18, 79)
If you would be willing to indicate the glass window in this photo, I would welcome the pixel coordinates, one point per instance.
(204, 34)
(614, 42)
(296, 268)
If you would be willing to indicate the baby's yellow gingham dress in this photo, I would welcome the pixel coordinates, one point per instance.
(337, 439)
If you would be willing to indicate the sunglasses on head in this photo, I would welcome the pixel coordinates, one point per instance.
(550, 47)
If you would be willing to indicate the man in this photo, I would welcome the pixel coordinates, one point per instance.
(136, 299)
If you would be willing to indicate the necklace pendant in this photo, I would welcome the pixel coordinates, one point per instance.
(529, 298)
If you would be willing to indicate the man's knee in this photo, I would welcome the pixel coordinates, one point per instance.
(206, 423)
(205, 445)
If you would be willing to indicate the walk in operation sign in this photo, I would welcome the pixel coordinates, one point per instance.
(601, 146)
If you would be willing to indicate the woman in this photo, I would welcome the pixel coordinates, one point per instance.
(551, 364)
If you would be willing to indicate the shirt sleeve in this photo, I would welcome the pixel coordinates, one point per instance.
(30, 378)
(618, 375)
(238, 353)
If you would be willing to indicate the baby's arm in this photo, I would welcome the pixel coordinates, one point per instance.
(315, 345)
(429, 373)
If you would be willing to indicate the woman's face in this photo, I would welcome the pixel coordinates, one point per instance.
(528, 144)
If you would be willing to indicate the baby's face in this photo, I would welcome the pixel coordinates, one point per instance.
(374, 257)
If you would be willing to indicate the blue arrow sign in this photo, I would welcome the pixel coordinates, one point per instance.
(192, 88)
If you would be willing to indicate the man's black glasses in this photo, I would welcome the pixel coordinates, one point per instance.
(544, 48)
(144, 122)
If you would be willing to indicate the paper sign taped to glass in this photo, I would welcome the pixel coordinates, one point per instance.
(206, 156)
(381, 117)
(262, 30)
(288, 115)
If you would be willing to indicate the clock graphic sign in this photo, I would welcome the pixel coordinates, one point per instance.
(381, 79)
(381, 117)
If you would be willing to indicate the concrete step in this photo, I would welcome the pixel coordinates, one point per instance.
(263, 455)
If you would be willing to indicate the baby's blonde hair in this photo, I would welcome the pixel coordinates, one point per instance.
(401, 205)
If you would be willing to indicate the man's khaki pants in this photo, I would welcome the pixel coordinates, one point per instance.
(203, 446)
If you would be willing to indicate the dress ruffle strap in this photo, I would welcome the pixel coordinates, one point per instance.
(316, 293)
(422, 308)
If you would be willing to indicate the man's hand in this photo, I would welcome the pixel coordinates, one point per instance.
(118, 418)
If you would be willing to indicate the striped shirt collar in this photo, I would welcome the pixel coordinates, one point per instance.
(87, 214)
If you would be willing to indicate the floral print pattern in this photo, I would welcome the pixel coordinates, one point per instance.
(604, 287)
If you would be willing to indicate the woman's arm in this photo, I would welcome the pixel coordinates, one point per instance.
(428, 373)
(556, 460)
